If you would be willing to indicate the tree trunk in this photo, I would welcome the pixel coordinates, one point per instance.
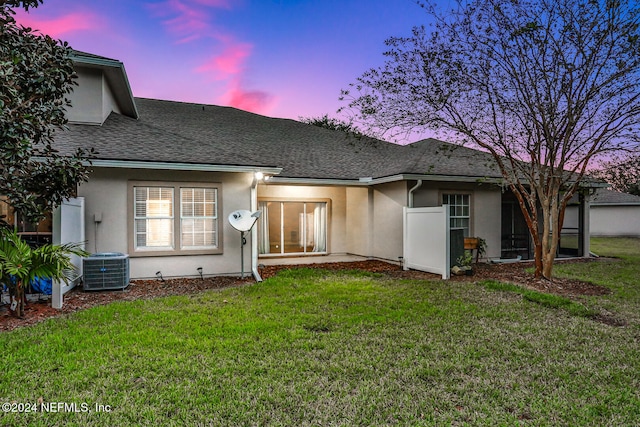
(552, 227)
(537, 255)
(19, 298)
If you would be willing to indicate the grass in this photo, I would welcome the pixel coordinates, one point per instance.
(311, 348)
(621, 274)
(547, 300)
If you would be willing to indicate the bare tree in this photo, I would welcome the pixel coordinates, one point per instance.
(545, 86)
(622, 173)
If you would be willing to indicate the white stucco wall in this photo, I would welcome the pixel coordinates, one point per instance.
(106, 195)
(486, 201)
(615, 221)
(359, 221)
(337, 216)
(388, 201)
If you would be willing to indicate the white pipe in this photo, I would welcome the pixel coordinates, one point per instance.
(415, 187)
(254, 232)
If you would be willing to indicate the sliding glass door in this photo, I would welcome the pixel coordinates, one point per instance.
(292, 228)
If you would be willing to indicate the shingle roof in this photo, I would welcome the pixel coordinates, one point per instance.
(169, 131)
(604, 196)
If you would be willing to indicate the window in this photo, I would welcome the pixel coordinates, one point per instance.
(174, 218)
(291, 227)
(153, 217)
(459, 211)
(198, 216)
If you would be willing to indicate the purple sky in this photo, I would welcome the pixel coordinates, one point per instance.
(280, 58)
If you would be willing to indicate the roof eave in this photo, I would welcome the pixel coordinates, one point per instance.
(367, 181)
(203, 167)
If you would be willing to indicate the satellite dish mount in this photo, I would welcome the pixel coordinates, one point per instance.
(243, 221)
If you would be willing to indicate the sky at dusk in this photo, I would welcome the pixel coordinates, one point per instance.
(280, 58)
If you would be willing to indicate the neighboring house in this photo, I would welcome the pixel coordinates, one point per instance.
(168, 174)
(613, 213)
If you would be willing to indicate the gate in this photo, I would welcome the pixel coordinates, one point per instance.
(68, 227)
(426, 240)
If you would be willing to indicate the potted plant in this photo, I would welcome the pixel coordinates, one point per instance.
(482, 247)
(463, 264)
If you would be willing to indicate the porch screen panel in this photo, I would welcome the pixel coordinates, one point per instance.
(199, 217)
(153, 217)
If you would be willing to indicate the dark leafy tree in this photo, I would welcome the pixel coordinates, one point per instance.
(545, 86)
(36, 73)
(333, 124)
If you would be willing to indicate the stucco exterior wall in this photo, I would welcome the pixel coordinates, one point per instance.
(615, 221)
(388, 201)
(486, 203)
(337, 215)
(359, 221)
(106, 195)
(92, 100)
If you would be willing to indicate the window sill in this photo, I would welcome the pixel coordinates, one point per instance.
(161, 253)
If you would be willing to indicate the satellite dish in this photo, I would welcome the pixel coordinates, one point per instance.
(243, 220)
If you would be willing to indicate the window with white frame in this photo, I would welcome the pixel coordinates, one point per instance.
(198, 217)
(153, 218)
(174, 218)
(459, 211)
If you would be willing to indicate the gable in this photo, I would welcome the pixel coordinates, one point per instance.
(103, 88)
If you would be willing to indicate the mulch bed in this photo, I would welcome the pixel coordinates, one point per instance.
(77, 299)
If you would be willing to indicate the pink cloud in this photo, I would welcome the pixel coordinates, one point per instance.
(230, 62)
(187, 19)
(256, 101)
(57, 27)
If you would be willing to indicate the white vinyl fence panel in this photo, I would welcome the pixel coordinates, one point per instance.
(68, 227)
(427, 239)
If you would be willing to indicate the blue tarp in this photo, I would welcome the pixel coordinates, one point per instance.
(39, 285)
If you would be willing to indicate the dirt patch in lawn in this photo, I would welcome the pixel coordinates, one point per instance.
(78, 299)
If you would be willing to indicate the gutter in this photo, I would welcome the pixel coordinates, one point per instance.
(414, 188)
(254, 231)
(365, 182)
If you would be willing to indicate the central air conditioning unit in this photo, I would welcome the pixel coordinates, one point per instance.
(108, 270)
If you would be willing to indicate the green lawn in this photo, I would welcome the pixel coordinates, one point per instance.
(319, 348)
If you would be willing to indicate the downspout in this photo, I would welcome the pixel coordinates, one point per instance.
(414, 188)
(254, 231)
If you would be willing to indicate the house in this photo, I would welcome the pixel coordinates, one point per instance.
(613, 213)
(168, 174)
